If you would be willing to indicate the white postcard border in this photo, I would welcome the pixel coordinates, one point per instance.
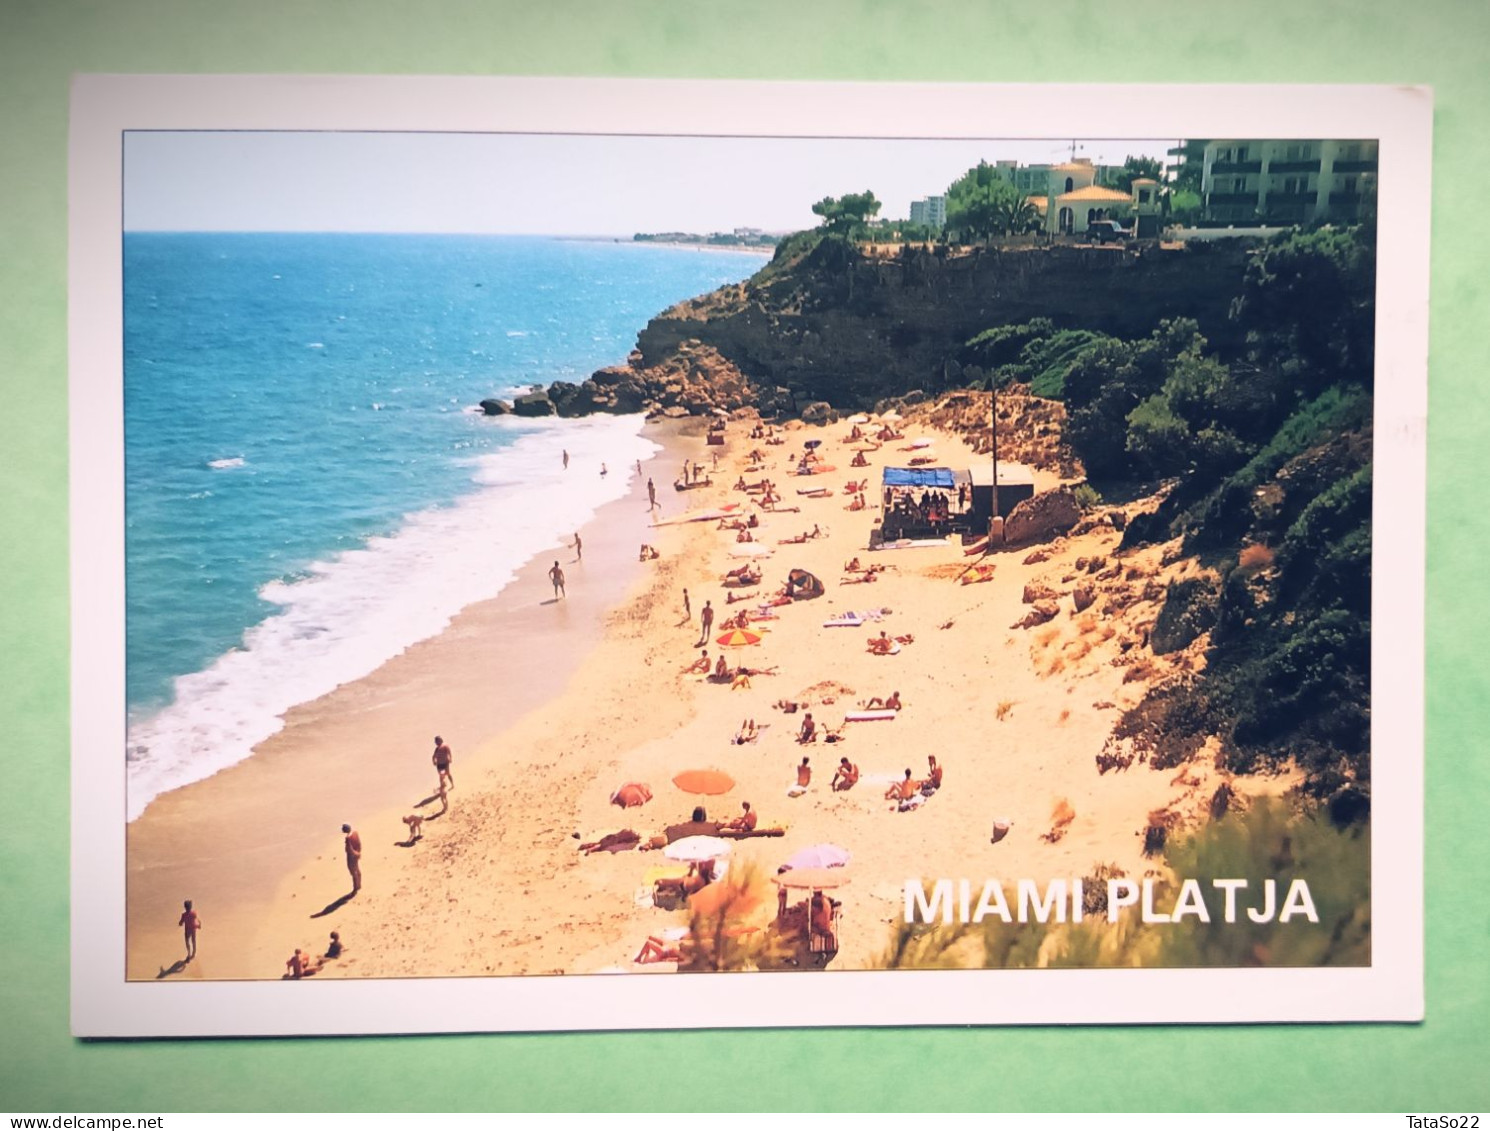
(104, 107)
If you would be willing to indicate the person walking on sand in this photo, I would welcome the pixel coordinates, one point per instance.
(190, 924)
(706, 619)
(687, 608)
(566, 459)
(651, 494)
(556, 575)
(353, 845)
(442, 758)
(579, 548)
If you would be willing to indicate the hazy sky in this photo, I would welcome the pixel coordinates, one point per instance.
(544, 184)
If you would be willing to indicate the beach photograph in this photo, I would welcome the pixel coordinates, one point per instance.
(725, 575)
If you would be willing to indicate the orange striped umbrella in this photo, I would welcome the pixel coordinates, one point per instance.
(738, 637)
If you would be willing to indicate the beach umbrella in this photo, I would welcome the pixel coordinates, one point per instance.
(721, 412)
(819, 856)
(810, 444)
(921, 442)
(630, 795)
(859, 419)
(812, 879)
(704, 781)
(696, 849)
(721, 896)
(738, 638)
(891, 415)
(750, 550)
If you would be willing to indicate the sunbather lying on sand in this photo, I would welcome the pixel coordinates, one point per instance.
(889, 704)
(743, 670)
(613, 842)
(859, 579)
(881, 644)
(748, 732)
(657, 949)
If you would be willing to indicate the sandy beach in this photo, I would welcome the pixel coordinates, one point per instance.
(596, 695)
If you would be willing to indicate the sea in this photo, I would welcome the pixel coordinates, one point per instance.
(310, 484)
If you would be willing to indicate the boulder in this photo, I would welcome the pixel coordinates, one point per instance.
(493, 407)
(533, 404)
(1041, 612)
(1083, 596)
(775, 401)
(1041, 517)
(819, 412)
(1035, 557)
(568, 400)
(1038, 591)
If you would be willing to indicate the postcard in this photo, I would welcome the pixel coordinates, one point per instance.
(605, 554)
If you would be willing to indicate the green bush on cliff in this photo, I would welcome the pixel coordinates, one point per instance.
(1268, 843)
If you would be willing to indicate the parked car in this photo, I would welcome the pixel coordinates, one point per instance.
(1106, 231)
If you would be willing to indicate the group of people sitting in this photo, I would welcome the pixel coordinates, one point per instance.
(302, 965)
(909, 793)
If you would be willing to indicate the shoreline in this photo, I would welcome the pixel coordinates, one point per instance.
(497, 886)
(352, 750)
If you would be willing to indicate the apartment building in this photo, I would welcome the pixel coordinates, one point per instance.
(1287, 181)
(932, 212)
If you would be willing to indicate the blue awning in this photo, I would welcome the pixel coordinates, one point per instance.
(919, 477)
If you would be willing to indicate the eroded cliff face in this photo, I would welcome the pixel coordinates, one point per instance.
(850, 330)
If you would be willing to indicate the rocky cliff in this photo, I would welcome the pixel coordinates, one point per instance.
(850, 329)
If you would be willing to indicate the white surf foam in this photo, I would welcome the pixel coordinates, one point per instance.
(340, 619)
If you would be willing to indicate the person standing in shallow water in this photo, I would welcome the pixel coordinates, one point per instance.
(566, 459)
(556, 575)
(579, 548)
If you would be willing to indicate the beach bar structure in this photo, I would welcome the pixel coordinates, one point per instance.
(924, 502)
(1016, 482)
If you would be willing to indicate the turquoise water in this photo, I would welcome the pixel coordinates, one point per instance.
(309, 486)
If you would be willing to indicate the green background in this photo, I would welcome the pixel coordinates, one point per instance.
(1439, 1065)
